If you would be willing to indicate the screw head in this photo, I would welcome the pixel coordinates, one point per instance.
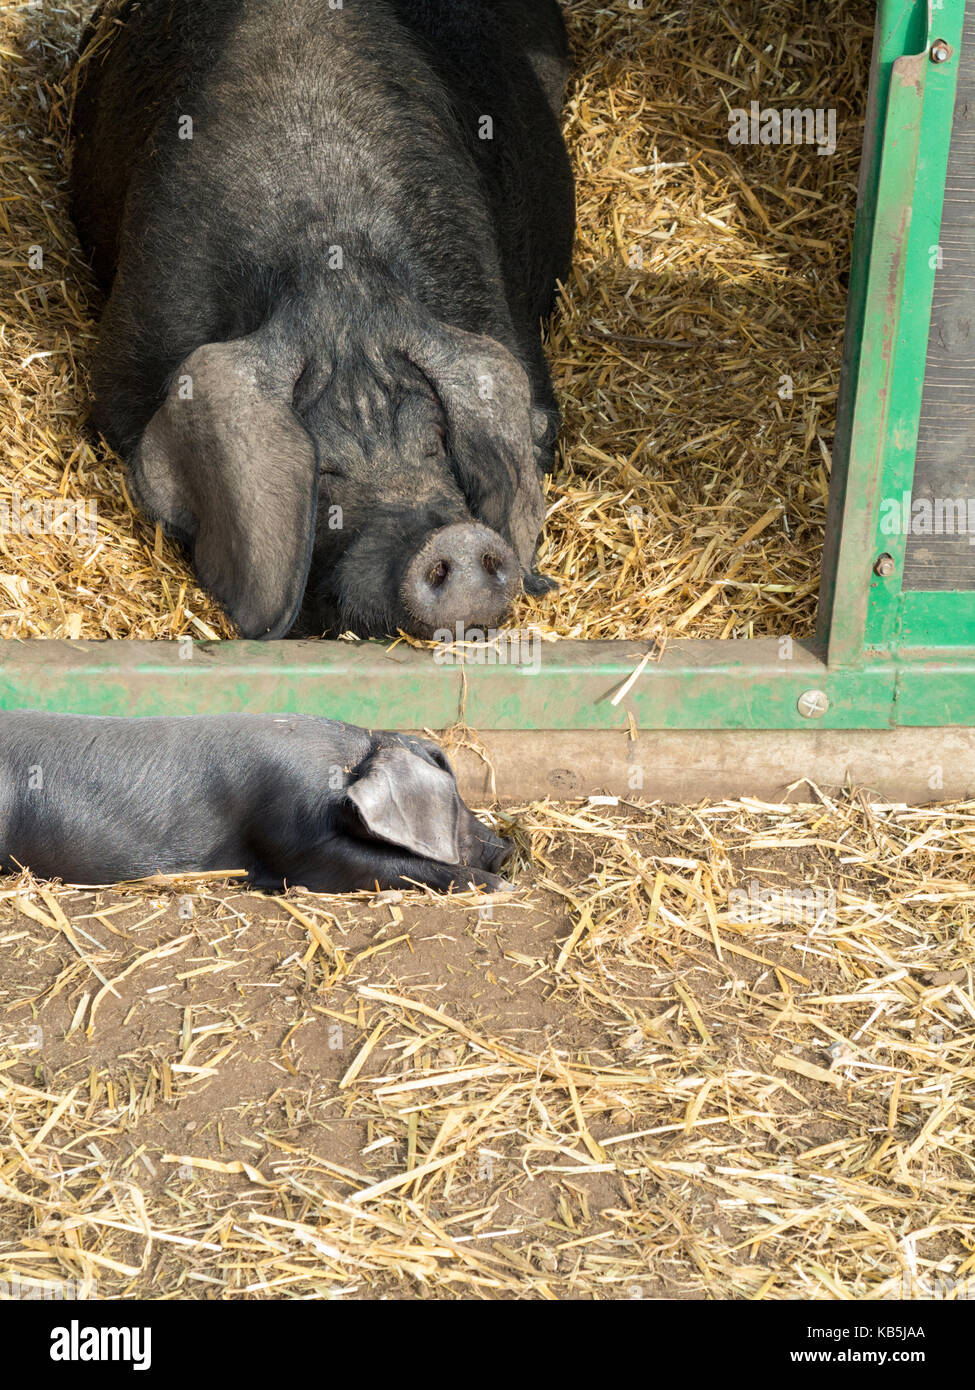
(940, 51)
(813, 704)
(884, 565)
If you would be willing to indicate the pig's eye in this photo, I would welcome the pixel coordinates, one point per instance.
(434, 443)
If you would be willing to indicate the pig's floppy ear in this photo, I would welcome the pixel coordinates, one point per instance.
(226, 463)
(491, 429)
(400, 798)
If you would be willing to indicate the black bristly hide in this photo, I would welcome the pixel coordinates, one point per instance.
(329, 236)
(293, 800)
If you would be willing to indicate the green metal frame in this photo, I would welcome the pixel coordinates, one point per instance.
(892, 287)
(882, 657)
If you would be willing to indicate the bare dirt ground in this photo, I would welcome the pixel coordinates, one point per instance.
(612, 1085)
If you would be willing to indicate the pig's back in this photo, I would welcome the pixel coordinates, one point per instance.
(291, 105)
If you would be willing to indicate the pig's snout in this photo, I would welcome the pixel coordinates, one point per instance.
(463, 573)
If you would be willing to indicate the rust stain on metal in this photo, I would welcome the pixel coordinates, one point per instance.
(909, 70)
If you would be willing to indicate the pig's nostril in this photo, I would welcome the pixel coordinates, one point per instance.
(437, 576)
(491, 564)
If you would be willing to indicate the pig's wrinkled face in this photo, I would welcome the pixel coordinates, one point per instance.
(396, 546)
(347, 484)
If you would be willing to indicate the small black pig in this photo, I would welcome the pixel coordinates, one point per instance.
(330, 232)
(293, 799)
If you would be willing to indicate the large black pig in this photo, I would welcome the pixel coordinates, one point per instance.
(329, 230)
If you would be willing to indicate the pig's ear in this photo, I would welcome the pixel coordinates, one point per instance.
(226, 462)
(492, 430)
(401, 798)
(433, 751)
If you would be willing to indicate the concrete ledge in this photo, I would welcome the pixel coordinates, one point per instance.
(916, 766)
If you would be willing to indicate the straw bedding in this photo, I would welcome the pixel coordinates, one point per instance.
(612, 1086)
